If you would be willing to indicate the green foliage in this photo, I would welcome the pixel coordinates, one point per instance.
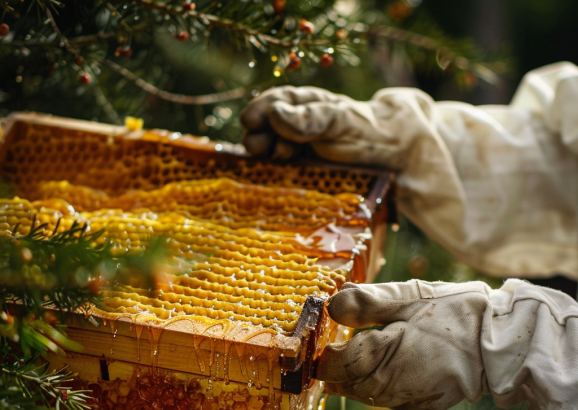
(41, 276)
(26, 385)
(58, 268)
(193, 69)
(64, 271)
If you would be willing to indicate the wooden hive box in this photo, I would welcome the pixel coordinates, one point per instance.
(142, 348)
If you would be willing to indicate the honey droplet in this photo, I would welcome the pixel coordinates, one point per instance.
(241, 353)
(139, 330)
(155, 335)
(196, 344)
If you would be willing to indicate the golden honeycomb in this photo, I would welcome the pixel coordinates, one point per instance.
(246, 256)
(224, 200)
(150, 160)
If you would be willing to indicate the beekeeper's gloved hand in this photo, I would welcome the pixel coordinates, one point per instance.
(337, 127)
(444, 342)
(495, 185)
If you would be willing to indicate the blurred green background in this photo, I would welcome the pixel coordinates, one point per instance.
(524, 34)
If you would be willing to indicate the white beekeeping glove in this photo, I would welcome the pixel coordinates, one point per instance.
(444, 342)
(338, 128)
(495, 185)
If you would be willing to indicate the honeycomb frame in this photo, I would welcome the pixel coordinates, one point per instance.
(93, 155)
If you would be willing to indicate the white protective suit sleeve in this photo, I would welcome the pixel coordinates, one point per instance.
(443, 342)
(495, 185)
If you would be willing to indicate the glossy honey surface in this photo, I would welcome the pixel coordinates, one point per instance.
(244, 252)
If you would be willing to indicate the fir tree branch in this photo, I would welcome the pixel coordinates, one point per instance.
(76, 41)
(150, 88)
(235, 26)
(178, 98)
(36, 383)
(123, 22)
(206, 18)
(8, 6)
(64, 40)
(254, 26)
(66, 269)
